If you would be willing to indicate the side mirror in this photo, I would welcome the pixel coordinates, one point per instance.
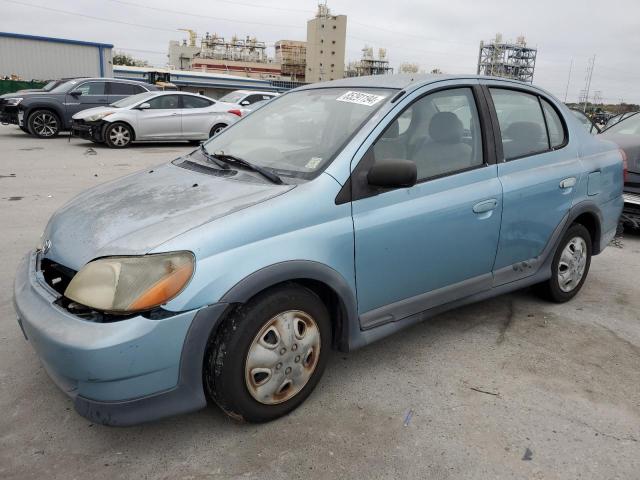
(75, 93)
(244, 103)
(393, 173)
(143, 106)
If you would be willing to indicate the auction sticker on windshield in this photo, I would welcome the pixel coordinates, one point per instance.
(360, 98)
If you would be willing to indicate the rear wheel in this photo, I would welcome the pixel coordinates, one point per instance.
(44, 124)
(570, 265)
(118, 135)
(267, 358)
(217, 129)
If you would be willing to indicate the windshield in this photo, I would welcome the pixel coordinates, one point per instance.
(628, 126)
(299, 133)
(132, 100)
(49, 86)
(233, 97)
(65, 87)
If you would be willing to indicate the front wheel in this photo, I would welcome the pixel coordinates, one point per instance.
(570, 265)
(44, 124)
(118, 135)
(268, 357)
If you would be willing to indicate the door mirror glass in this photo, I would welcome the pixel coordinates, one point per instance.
(393, 173)
(144, 106)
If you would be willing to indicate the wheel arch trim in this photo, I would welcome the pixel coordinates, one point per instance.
(293, 270)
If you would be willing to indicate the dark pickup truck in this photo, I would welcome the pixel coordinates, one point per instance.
(46, 113)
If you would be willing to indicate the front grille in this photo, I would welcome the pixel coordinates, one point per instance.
(57, 276)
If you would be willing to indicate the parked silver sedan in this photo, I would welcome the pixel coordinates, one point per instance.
(151, 116)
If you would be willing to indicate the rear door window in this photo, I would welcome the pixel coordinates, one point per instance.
(127, 89)
(554, 124)
(190, 101)
(522, 123)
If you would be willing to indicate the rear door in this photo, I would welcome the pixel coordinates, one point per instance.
(93, 94)
(196, 117)
(419, 247)
(162, 121)
(539, 171)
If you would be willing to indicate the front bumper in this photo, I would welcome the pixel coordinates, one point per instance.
(631, 211)
(118, 373)
(89, 131)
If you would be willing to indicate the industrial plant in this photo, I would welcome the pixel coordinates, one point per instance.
(506, 59)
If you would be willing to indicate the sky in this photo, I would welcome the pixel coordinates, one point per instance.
(433, 34)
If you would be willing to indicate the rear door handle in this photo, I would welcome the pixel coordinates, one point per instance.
(568, 182)
(485, 206)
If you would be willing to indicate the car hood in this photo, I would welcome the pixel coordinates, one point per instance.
(135, 214)
(631, 146)
(92, 111)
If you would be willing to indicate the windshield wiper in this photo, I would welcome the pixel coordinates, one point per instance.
(212, 158)
(244, 163)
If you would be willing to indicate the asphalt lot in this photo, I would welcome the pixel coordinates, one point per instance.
(512, 387)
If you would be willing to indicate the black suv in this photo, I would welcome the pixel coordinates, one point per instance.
(45, 114)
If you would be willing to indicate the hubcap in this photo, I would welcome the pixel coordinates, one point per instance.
(282, 357)
(573, 262)
(45, 124)
(119, 136)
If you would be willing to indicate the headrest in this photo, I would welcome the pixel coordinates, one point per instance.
(524, 132)
(445, 127)
(392, 131)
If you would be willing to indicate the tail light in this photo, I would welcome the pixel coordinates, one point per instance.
(235, 111)
(625, 166)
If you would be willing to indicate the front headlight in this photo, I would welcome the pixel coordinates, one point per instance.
(131, 284)
(98, 116)
(12, 102)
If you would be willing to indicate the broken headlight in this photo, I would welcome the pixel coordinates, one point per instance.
(98, 116)
(131, 284)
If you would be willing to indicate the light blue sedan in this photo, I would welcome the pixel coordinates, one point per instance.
(337, 214)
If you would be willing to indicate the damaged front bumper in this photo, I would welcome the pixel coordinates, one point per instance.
(118, 373)
(88, 130)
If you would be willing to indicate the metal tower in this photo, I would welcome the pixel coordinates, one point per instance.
(508, 60)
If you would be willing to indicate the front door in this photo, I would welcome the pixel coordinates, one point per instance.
(86, 95)
(419, 247)
(162, 120)
(539, 175)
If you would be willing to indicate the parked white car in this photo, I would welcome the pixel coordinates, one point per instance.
(152, 116)
(244, 98)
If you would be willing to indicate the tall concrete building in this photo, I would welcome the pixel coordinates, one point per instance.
(326, 40)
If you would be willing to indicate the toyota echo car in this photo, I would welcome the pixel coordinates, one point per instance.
(335, 215)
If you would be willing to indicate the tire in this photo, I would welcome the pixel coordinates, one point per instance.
(118, 135)
(25, 129)
(44, 124)
(562, 287)
(217, 128)
(288, 367)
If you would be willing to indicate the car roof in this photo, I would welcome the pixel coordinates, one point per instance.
(111, 79)
(406, 81)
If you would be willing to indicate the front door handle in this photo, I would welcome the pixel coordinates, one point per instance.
(568, 182)
(174, 114)
(485, 206)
